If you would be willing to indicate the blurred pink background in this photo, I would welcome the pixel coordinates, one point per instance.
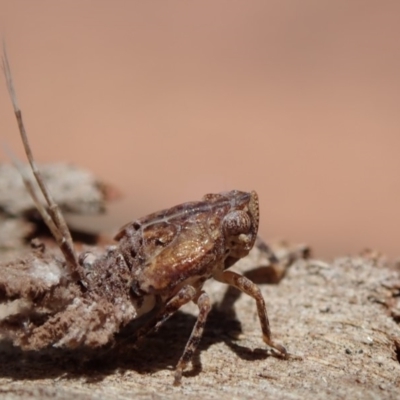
(170, 100)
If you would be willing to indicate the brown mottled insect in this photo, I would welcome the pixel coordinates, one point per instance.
(160, 263)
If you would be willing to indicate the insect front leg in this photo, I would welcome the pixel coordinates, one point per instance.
(204, 304)
(245, 285)
(185, 294)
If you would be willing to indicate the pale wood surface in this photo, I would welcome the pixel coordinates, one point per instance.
(338, 320)
(337, 317)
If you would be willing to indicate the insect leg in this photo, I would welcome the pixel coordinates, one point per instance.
(204, 304)
(260, 243)
(245, 285)
(185, 294)
(51, 215)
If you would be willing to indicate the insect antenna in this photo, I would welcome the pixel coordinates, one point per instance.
(51, 214)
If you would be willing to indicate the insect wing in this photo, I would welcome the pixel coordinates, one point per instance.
(178, 247)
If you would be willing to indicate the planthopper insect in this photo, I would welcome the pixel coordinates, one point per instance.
(159, 263)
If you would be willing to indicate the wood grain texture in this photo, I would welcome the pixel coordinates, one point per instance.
(337, 317)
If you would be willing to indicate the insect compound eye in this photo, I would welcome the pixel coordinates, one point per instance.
(236, 222)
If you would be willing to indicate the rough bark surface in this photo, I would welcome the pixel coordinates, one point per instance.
(340, 322)
(339, 318)
(74, 189)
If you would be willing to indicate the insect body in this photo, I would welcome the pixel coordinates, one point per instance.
(160, 263)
